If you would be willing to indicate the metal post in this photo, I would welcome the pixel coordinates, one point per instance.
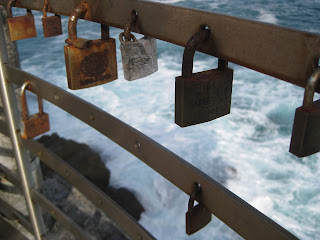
(12, 116)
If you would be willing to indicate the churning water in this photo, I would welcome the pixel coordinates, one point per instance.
(246, 151)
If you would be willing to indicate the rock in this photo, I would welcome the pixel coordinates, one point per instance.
(89, 164)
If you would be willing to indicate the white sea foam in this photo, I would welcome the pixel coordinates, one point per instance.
(267, 16)
(246, 151)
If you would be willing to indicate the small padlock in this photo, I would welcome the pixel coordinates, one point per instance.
(305, 139)
(139, 57)
(36, 124)
(89, 62)
(204, 96)
(51, 25)
(20, 27)
(197, 216)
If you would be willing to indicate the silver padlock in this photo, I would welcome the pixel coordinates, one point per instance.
(139, 57)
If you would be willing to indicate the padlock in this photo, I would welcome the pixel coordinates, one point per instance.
(20, 27)
(197, 216)
(51, 25)
(89, 62)
(305, 139)
(36, 124)
(204, 96)
(139, 57)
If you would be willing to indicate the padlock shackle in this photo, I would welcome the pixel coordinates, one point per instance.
(190, 49)
(127, 28)
(10, 4)
(24, 106)
(45, 8)
(311, 88)
(197, 190)
(75, 15)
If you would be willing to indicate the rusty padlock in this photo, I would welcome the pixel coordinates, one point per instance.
(36, 124)
(89, 62)
(305, 139)
(197, 216)
(20, 27)
(139, 57)
(204, 96)
(51, 25)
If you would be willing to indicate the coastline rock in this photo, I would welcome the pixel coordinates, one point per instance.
(89, 164)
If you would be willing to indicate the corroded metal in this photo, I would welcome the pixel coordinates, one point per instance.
(89, 62)
(197, 216)
(248, 43)
(139, 57)
(51, 25)
(306, 127)
(20, 27)
(204, 96)
(247, 221)
(36, 124)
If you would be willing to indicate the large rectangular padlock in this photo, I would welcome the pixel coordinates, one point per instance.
(51, 25)
(36, 124)
(89, 62)
(204, 96)
(139, 57)
(21, 27)
(197, 216)
(305, 139)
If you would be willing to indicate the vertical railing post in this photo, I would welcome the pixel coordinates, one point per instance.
(22, 159)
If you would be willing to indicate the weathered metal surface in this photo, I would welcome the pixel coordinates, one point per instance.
(51, 25)
(88, 62)
(20, 27)
(127, 224)
(229, 208)
(280, 52)
(139, 57)
(306, 127)
(21, 156)
(37, 124)
(60, 216)
(204, 96)
(197, 216)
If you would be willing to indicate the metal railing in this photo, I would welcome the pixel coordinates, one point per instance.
(236, 40)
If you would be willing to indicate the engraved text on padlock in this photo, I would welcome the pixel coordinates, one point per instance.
(139, 57)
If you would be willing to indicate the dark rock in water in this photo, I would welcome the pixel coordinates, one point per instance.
(80, 157)
(89, 164)
(126, 200)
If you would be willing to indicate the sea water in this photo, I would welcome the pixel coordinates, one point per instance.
(246, 151)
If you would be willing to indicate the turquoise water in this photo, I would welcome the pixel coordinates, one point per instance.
(246, 151)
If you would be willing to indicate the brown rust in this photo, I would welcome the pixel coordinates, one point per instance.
(93, 65)
(127, 28)
(20, 27)
(52, 26)
(89, 62)
(73, 20)
(36, 124)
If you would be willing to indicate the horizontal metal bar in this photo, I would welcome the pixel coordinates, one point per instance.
(232, 210)
(283, 53)
(126, 223)
(13, 214)
(60, 216)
